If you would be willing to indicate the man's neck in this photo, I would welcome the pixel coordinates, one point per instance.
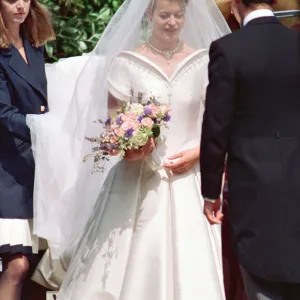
(255, 10)
(255, 7)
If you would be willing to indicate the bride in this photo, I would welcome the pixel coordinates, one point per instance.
(146, 237)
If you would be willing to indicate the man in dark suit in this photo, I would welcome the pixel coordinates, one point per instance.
(252, 119)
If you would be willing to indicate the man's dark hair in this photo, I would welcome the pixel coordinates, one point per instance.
(255, 2)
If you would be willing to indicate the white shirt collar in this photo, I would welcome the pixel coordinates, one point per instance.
(257, 14)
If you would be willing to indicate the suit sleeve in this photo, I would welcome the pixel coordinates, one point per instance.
(218, 115)
(10, 117)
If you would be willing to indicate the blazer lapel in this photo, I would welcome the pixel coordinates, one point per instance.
(27, 72)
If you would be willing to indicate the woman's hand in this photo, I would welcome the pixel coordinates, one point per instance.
(137, 154)
(185, 161)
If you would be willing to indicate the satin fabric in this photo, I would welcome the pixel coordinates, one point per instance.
(148, 237)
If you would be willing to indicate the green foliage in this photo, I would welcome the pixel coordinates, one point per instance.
(78, 25)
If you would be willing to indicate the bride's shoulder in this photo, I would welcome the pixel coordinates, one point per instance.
(126, 60)
(122, 60)
(127, 56)
(141, 49)
(199, 53)
(188, 50)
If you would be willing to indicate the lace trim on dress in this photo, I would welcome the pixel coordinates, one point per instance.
(189, 63)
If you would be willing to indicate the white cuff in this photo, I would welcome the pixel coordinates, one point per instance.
(210, 200)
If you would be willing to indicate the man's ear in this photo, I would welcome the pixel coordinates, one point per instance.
(235, 11)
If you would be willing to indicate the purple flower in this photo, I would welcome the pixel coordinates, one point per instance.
(140, 118)
(111, 146)
(107, 122)
(129, 132)
(147, 111)
(104, 146)
(167, 117)
(119, 121)
(115, 146)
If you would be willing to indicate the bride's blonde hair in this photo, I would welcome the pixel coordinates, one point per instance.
(152, 4)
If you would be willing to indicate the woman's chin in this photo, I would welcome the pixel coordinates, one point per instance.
(18, 20)
(170, 37)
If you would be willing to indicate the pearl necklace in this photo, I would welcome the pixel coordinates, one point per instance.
(166, 53)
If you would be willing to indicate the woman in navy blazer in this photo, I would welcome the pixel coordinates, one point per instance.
(24, 27)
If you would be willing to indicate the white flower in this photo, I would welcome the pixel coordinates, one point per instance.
(139, 139)
(137, 108)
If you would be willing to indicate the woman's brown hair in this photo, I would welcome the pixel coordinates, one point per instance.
(37, 27)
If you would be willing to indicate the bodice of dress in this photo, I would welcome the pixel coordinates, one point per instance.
(132, 75)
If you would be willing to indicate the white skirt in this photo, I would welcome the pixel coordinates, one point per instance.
(16, 236)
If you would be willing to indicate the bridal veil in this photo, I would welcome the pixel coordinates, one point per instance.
(66, 188)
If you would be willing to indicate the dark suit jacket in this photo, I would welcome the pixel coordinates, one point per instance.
(253, 115)
(23, 90)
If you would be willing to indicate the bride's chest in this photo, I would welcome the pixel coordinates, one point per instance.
(183, 87)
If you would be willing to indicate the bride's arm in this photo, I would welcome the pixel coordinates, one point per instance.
(119, 87)
(186, 160)
(112, 103)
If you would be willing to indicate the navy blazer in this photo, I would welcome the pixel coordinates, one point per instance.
(23, 90)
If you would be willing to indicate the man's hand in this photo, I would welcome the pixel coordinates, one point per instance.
(213, 212)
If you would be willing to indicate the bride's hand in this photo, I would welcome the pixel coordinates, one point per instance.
(185, 161)
(137, 154)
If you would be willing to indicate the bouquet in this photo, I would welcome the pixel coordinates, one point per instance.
(127, 128)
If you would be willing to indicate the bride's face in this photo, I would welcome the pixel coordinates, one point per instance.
(168, 18)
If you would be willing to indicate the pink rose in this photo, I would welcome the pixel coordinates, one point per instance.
(129, 117)
(155, 109)
(127, 125)
(136, 125)
(119, 131)
(165, 109)
(113, 127)
(147, 122)
(113, 139)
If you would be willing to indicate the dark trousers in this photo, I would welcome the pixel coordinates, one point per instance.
(260, 289)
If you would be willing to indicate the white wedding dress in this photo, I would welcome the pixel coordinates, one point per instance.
(148, 238)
